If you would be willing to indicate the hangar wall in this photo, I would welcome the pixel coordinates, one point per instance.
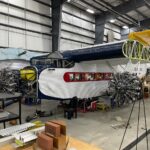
(82, 27)
(30, 28)
(16, 22)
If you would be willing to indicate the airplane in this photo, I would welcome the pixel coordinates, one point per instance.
(83, 73)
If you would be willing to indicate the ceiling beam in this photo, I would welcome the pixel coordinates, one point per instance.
(124, 8)
(113, 14)
(140, 13)
(108, 4)
(145, 24)
(137, 11)
(148, 6)
(99, 30)
(89, 4)
(63, 1)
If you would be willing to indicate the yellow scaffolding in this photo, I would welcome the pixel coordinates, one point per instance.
(138, 46)
(142, 37)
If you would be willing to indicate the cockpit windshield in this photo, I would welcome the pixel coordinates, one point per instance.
(52, 62)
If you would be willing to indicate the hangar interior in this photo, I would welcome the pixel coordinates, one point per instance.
(76, 65)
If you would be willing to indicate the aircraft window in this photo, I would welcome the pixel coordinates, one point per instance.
(68, 64)
(40, 62)
(43, 62)
(57, 63)
(34, 62)
(48, 62)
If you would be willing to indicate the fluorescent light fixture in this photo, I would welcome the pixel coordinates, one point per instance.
(112, 20)
(90, 11)
(125, 27)
(68, 1)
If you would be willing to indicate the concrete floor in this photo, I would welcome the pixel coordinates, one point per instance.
(96, 127)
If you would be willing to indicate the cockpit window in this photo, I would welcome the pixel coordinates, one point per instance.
(52, 62)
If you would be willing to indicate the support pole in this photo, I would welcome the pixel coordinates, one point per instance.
(56, 24)
(99, 29)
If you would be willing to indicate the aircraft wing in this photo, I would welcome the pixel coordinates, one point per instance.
(102, 51)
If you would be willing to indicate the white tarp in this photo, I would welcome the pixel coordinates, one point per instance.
(15, 53)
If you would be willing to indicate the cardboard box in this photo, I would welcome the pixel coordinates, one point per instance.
(62, 126)
(45, 142)
(53, 129)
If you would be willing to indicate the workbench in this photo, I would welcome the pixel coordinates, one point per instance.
(17, 98)
(6, 143)
(73, 144)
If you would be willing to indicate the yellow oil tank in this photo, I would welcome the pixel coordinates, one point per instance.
(28, 74)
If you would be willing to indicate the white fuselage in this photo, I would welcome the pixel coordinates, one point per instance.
(53, 84)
